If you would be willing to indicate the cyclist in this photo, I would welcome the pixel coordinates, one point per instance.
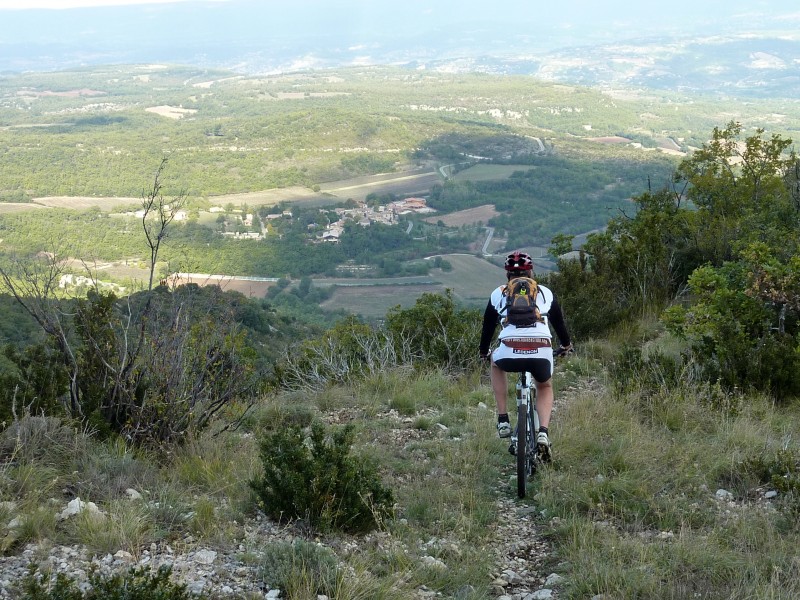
(535, 357)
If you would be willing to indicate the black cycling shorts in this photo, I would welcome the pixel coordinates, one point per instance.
(540, 368)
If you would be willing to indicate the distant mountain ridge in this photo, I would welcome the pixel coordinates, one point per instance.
(732, 49)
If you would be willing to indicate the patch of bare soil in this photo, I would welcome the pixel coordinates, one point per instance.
(171, 112)
(610, 139)
(86, 202)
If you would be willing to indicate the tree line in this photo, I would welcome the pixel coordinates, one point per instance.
(715, 254)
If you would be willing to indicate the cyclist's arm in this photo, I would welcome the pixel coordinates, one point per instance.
(490, 320)
(557, 319)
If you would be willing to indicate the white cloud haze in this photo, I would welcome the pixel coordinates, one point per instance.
(65, 4)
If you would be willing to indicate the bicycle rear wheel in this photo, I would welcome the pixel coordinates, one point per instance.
(523, 449)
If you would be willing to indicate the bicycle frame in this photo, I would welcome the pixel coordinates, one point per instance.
(523, 439)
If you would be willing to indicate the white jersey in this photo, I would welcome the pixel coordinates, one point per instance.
(544, 299)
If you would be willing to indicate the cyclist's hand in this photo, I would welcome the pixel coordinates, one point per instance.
(563, 351)
(486, 357)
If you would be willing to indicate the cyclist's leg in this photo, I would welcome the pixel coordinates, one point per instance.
(544, 401)
(500, 390)
(542, 371)
(499, 387)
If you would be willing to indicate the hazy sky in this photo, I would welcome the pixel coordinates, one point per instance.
(47, 34)
(30, 4)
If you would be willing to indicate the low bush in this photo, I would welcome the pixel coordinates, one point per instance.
(320, 480)
(300, 567)
(137, 584)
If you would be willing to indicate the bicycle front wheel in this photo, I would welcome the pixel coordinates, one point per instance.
(522, 449)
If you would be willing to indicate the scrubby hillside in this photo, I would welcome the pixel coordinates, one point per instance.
(369, 466)
(660, 489)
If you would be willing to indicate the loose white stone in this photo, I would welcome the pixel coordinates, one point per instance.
(16, 522)
(133, 494)
(431, 561)
(205, 557)
(124, 556)
(553, 580)
(771, 494)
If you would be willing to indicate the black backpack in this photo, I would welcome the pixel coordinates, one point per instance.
(521, 309)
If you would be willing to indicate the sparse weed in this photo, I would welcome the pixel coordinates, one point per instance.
(781, 472)
(122, 525)
(635, 498)
(406, 402)
(30, 482)
(209, 522)
(216, 465)
(300, 569)
(285, 408)
(422, 422)
(40, 524)
(46, 439)
(168, 508)
(110, 468)
(334, 398)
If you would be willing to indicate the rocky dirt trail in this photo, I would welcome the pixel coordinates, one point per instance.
(525, 561)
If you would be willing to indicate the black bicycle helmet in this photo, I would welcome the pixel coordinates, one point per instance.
(518, 261)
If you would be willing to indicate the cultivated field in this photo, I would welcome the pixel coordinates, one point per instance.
(466, 217)
(404, 183)
(13, 207)
(87, 202)
(373, 301)
(484, 172)
(252, 287)
(471, 280)
(269, 197)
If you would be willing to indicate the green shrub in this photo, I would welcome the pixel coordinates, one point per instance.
(437, 332)
(781, 471)
(649, 374)
(34, 382)
(137, 584)
(300, 566)
(732, 333)
(321, 481)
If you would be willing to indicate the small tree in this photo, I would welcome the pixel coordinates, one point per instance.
(437, 331)
(153, 367)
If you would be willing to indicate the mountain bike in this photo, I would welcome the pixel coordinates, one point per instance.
(523, 439)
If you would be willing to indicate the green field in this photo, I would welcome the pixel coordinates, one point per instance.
(484, 172)
(471, 280)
